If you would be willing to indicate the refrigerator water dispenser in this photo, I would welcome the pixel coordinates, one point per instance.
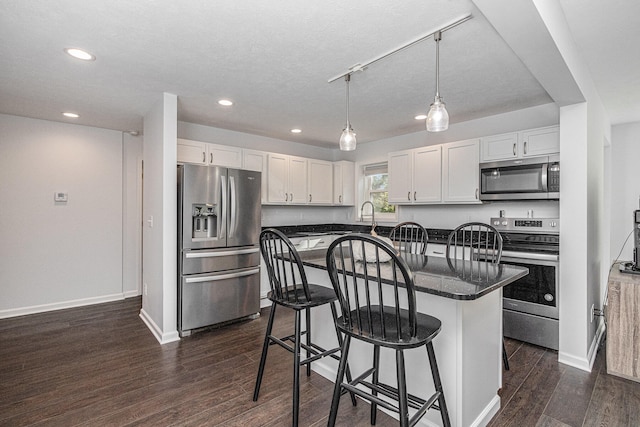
(204, 221)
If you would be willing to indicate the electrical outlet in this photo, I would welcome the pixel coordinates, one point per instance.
(593, 311)
(144, 289)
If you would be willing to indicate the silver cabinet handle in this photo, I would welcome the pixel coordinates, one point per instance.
(309, 198)
(204, 157)
(525, 147)
(291, 198)
(476, 194)
(514, 148)
(414, 195)
(409, 195)
(211, 158)
(340, 198)
(286, 197)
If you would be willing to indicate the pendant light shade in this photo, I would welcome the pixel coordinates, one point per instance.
(438, 117)
(348, 137)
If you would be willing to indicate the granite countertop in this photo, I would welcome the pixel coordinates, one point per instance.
(461, 280)
(435, 235)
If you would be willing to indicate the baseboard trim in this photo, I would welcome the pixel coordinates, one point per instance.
(162, 337)
(585, 363)
(23, 311)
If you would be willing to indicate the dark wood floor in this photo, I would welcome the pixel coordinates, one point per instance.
(99, 365)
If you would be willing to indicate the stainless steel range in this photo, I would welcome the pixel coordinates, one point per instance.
(530, 304)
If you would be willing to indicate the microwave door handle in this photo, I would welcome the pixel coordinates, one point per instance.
(234, 207)
(544, 177)
(222, 231)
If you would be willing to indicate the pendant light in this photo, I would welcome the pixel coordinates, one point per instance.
(438, 118)
(348, 137)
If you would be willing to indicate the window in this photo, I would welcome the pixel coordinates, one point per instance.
(376, 184)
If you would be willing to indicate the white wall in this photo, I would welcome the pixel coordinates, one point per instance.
(160, 272)
(132, 216)
(59, 255)
(625, 187)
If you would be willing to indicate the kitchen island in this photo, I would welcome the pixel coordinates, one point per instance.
(467, 298)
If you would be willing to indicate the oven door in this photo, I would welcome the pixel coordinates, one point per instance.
(536, 293)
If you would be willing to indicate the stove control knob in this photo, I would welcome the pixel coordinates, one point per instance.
(505, 223)
(496, 222)
(548, 297)
(553, 224)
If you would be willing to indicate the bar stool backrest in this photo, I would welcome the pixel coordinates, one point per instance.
(287, 278)
(410, 237)
(475, 239)
(372, 294)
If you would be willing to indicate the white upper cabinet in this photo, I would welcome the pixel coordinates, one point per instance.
(254, 160)
(460, 172)
(446, 173)
(528, 143)
(540, 142)
(286, 179)
(415, 176)
(204, 153)
(344, 175)
(320, 181)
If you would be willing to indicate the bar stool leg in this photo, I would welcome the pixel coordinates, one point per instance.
(308, 335)
(296, 369)
(265, 349)
(334, 313)
(403, 399)
(337, 388)
(444, 413)
(374, 381)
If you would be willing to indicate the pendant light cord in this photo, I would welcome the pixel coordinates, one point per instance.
(347, 78)
(437, 36)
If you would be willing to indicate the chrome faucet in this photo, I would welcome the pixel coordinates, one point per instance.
(373, 221)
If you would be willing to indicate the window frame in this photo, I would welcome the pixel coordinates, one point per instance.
(368, 170)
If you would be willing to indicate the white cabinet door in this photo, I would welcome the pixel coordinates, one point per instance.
(254, 160)
(427, 174)
(298, 180)
(344, 183)
(320, 182)
(500, 147)
(400, 166)
(540, 142)
(461, 172)
(223, 155)
(277, 178)
(191, 152)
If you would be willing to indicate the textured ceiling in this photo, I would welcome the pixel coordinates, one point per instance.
(273, 59)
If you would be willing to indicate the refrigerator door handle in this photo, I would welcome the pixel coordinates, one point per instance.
(234, 207)
(221, 253)
(221, 276)
(222, 232)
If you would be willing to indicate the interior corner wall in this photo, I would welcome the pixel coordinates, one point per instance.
(56, 255)
(132, 216)
(159, 299)
(625, 188)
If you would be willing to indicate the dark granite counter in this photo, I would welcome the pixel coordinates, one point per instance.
(435, 235)
(460, 280)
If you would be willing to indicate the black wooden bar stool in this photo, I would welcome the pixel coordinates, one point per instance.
(371, 296)
(410, 237)
(289, 288)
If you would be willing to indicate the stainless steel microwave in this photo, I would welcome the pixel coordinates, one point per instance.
(536, 178)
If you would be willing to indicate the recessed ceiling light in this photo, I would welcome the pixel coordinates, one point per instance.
(71, 115)
(80, 54)
(420, 117)
(225, 102)
(296, 130)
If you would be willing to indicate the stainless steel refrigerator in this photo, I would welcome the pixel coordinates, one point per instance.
(219, 216)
